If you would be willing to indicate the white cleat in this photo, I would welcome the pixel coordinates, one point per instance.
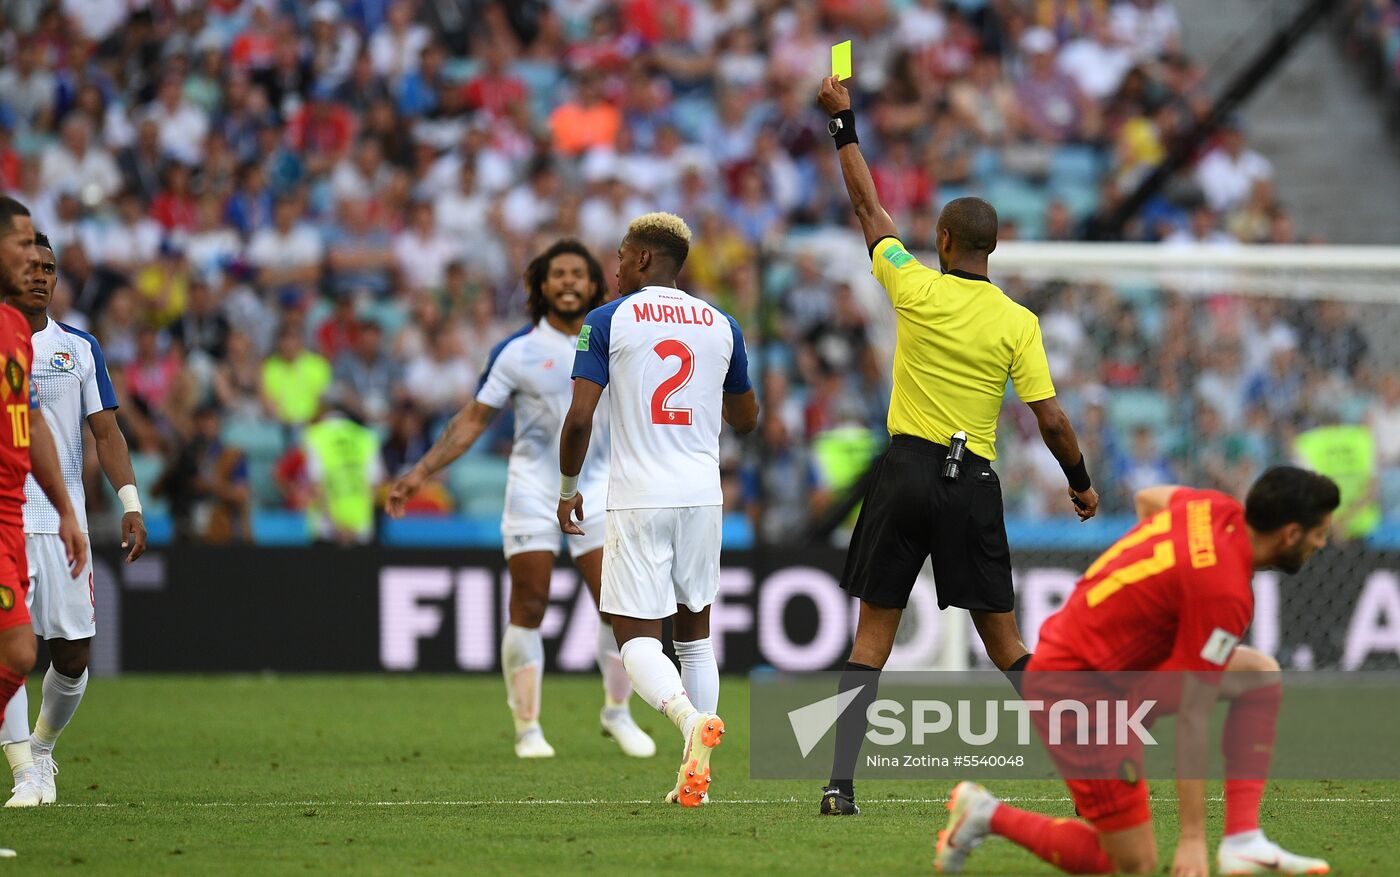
(28, 790)
(48, 769)
(970, 809)
(631, 739)
(531, 744)
(1259, 855)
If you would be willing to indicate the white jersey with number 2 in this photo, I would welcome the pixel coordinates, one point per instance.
(668, 359)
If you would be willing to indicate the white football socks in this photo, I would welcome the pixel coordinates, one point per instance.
(656, 681)
(14, 731)
(15, 728)
(62, 694)
(700, 673)
(617, 688)
(522, 664)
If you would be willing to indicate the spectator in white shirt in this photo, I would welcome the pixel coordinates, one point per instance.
(440, 377)
(922, 24)
(1204, 228)
(1149, 27)
(75, 161)
(66, 226)
(462, 212)
(27, 88)
(604, 218)
(1228, 172)
(334, 43)
(126, 242)
(778, 169)
(212, 246)
(494, 173)
(422, 251)
(396, 44)
(1384, 420)
(363, 174)
(182, 124)
(1223, 385)
(711, 19)
(97, 20)
(291, 252)
(1096, 62)
(532, 204)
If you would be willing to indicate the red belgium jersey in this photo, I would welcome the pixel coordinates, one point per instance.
(1173, 594)
(17, 392)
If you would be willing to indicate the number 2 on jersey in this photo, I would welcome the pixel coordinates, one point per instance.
(660, 412)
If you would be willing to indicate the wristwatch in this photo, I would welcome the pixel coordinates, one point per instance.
(842, 128)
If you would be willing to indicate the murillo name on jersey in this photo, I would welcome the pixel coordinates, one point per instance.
(686, 315)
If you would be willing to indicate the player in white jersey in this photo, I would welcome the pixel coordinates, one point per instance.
(70, 376)
(531, 369)
(673, 365)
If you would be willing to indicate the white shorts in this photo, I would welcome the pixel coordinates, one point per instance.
(655, 559)
(520, 543)
(61, 605)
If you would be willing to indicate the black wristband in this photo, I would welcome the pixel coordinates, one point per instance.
(845, 133)
(1078, 476)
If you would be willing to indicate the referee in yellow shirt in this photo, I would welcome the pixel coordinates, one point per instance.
(958, 340)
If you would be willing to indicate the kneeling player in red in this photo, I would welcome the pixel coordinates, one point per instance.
(1174, 594)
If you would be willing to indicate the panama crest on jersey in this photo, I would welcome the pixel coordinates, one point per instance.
(63, 361)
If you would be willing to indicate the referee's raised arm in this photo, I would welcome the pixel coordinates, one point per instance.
(875, 222)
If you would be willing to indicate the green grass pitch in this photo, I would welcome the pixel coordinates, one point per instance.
(415, 775)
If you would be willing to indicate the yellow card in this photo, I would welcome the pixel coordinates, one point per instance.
(841, 60)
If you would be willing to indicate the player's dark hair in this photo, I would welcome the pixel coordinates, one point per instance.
(42, 240)
(538, 271)
(1289, 495)
(971, 223)
(9, 209)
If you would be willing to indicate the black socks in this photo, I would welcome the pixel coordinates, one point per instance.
(851, 726)
(1013, 673)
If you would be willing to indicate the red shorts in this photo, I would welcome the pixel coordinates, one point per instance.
(1104, 779)
(14, 577)
(1110, 805)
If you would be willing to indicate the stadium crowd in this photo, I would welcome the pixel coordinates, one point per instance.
(267, 210)
(1370, 33)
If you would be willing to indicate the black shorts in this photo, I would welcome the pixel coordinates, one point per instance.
(912, 512)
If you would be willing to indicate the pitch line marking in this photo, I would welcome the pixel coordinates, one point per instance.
(562, 802)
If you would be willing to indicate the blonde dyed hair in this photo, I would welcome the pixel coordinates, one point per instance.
(660, 223)
(665, 234)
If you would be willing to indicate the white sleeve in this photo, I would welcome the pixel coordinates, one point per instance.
(500, 381)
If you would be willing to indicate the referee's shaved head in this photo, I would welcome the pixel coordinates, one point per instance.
(971, 224)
